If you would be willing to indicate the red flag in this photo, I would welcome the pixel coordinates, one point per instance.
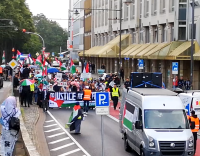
(39, 58)
(34, 60)
(87, 68)
(72, 63)
(58, 62)
(44, 72)
(18, 52)
(44, 62)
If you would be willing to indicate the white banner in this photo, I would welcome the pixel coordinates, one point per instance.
(86, 75)
(59, 76)
(62, 83)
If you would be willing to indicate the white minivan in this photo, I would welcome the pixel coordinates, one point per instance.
(153, 122)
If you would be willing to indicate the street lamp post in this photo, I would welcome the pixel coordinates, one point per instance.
(192, 43)
(120, 37)
(43, 44)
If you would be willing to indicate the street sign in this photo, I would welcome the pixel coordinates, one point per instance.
(52, 53)
(102, 103)
(13, 64)
(141, 64)
(174, 68)
(37, 54)
(61, 56)
(46, 55)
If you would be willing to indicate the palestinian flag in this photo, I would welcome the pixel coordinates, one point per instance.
(63, 67)
(18, 54)
(39, 61)
(72, 67)
(3, 57)
(128, 115)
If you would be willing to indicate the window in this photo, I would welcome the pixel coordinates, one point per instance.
(102, 18)
(115, 14)
(155, 35)
(126, 11)
(133, 10)
(190, 31)
(147, 39)
(164, 34)
(106, 17)
(141, 36)
(141, 9)
(154, 7)
(172, 34)
(182, 33)
(130, 115)
(96, 17)
(133, 37)
(162, 6)
(146, 13)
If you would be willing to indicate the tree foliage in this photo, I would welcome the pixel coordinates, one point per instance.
(19, 13)
(54, 35)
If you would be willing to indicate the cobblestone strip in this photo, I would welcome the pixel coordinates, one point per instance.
(31, 116)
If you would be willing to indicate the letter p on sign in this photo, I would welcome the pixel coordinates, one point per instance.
(102, 98)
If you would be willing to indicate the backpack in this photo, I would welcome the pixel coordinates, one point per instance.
(14, 123)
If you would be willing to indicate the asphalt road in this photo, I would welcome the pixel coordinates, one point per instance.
(90, 137)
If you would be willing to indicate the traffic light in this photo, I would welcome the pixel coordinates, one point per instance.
(23, 30)
(13, 50)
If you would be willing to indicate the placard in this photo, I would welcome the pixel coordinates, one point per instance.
(68, 99)
(85, 75)
(100, 71)
(58, 76)
(62, 83)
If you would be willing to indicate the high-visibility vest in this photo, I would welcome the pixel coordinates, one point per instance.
(196, 121)
(1, 70)
(115, 92)
(32, 87)
(87, 94)
(188, 117)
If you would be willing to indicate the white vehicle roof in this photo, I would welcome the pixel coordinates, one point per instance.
(191, 93)
(156, 98)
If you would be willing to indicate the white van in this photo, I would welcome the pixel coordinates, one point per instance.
(153, 122)
(191, 101)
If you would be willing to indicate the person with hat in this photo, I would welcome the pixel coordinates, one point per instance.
(195, 120)
(86, 98)
(76, 118)
(115, 94)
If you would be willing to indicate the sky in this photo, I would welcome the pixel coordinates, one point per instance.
(52, 9)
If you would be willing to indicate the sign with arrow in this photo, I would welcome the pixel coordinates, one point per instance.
(102, 103)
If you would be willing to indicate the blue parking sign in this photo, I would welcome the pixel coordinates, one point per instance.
(102, 99)
(174, 68)
(141, 64)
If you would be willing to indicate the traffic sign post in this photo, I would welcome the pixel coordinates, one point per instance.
(174, 72)
(13, 64)
(102, 108)
(46, 55)
(141, 64)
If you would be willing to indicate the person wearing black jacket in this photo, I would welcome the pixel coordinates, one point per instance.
(127, 83)
(26, 72)
(25, 95)
(16, 81)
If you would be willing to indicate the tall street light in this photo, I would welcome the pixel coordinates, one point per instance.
(193, 4)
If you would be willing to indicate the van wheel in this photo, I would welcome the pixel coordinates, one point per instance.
(142, 152)
(126, 145)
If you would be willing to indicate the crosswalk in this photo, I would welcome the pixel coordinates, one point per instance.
(60, 142)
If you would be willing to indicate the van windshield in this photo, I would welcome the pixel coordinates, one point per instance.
(165, 119)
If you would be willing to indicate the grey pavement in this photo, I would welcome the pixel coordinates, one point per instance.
(90, 137)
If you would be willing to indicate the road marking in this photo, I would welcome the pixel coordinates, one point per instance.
(61, 147)
(55, 129)
(49, 121)
(50, 125)
(110, 116)
(68, 153)
(55, 135)
(74, 140)
(54, 142)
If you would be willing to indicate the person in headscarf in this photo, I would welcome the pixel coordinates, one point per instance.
(77, 119)
(9, 136)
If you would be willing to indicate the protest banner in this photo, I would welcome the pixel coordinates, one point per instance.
(58, 76)
(62, 84)
(68, 99)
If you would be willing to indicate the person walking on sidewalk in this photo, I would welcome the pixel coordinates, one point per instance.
(115, 94)
(9, 136)
(86, 98)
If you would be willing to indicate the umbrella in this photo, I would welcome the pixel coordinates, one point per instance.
(52, 70)
(26, 82)
(38, 75)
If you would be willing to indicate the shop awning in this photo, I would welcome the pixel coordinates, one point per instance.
(81, 53)
(135, 52)
(197, 55)
(127, 49)
(92, 51)
(134, 47)
(146, 50)
(111, 49)
(155, 49)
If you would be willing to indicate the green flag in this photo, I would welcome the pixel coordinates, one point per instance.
(73, 69)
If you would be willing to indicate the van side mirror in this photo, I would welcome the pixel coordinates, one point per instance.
(138, 125)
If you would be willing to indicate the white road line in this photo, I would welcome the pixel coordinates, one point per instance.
(61, 147)
(110, 116)
(74, 140)
(51, 130)
(54, 142)
(50, 125)
(49, 121)
(68, 153)
(55, 135)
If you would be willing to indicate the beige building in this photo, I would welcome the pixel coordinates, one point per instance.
(158, 31)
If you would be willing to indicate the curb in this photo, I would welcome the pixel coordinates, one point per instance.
(31, 149)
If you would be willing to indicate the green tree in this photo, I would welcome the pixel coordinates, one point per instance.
(54, 35)
(19, 13)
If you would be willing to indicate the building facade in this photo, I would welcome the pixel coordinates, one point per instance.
(158, 31)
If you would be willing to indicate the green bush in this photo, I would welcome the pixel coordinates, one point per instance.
(76, 62)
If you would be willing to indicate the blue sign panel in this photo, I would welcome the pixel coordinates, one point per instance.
(174, 67)
(102, 99)
(52, 53)
(141, 64)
